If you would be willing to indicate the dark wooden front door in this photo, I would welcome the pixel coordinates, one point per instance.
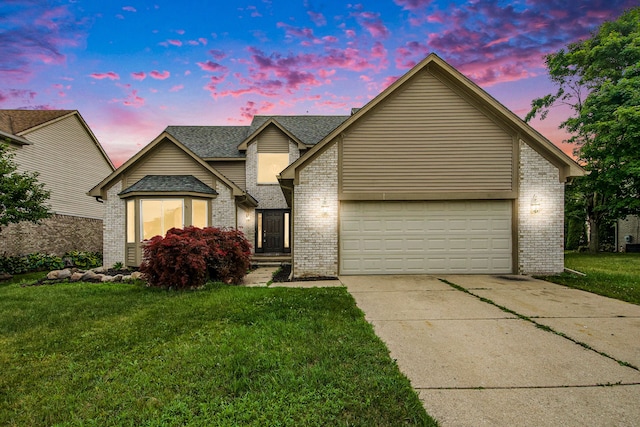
(270, 233)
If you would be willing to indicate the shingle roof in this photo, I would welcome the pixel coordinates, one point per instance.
(210, 141)
(169, 183)
(16, 121)
(223, 141)
(308, 129)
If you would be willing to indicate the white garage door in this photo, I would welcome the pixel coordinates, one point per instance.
(468, 237)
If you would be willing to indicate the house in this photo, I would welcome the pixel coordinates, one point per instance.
(627, 237)
(431, 176)
(58, 145)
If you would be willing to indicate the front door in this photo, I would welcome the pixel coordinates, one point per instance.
(273, 231)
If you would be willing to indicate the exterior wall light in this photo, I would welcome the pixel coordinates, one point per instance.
(535, 205)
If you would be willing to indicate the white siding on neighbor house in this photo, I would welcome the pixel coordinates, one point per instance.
(69, 164)
(541, 233)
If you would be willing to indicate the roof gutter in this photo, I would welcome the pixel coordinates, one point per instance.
(15, 138)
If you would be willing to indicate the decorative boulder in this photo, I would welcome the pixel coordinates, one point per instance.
(64, 274)
(76, 277)
(52, 275)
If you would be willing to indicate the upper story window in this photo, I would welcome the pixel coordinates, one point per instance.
(270, 165)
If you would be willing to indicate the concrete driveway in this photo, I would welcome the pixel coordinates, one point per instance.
(474, 361)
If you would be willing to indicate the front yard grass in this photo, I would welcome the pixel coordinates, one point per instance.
(615, 275)
(122, 354)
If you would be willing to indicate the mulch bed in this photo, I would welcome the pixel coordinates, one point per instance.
(282, 275)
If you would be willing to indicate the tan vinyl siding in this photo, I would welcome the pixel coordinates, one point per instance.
(168, 159)
(69, 164)
(426, 138)
(272, 140)
(235, 171)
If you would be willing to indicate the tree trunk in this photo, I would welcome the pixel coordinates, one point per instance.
(594, 234)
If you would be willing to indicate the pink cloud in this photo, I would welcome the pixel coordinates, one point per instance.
(108, 75)
(176, 88)
(193, 43)
(211, 66)
(350, 33)
(217, 54)
(250, 109)
(413, 4)
(174, 42)
(202, 41)
(181, 32)
(129, 9)
(133, 100)
(326, 73)
(141, 75)
(317, 18)
(372, 23)
(32, 36)
(159, 75)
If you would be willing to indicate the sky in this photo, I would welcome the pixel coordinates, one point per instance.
(134, 67)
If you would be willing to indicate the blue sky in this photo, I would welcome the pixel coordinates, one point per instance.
(134, 67)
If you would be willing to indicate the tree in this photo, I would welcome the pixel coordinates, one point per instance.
(22, 197)
(599, 78)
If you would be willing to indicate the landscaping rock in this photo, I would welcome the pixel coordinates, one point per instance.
(136, 275)
(77, 276)
(5, 276)
(64, 274)
(126, 278)
(118, 278)
(101, 269)
(52, 275)
(89, 276)
(105, 278)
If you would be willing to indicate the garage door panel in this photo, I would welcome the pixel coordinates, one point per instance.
(426, 237)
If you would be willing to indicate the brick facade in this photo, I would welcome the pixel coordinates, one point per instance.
(315, 222)
(541, 233)
(224, 208)
(114, 226)
(54, 236)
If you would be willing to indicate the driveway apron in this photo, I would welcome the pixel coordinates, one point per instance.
(510, 350)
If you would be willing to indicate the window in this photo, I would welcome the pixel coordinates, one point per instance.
(158, 216)
(259, 239)
(199, 213)
(131, 221)
(270, 165)
(286, 230)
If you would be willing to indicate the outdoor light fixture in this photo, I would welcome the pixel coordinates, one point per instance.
(324, 207)
(535, 205)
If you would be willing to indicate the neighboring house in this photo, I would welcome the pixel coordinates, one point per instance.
(431, 176)
(58, 145)
(628, 234)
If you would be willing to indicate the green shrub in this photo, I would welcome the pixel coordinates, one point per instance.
(42, 262)
(84, 260)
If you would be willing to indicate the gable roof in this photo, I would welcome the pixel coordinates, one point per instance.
(211, 141)
(308, 129)
(567, 166)
(169, 183)
(98, 190)
(18, 121)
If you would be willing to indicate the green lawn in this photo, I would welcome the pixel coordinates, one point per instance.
(122, 354)
(615, 275)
